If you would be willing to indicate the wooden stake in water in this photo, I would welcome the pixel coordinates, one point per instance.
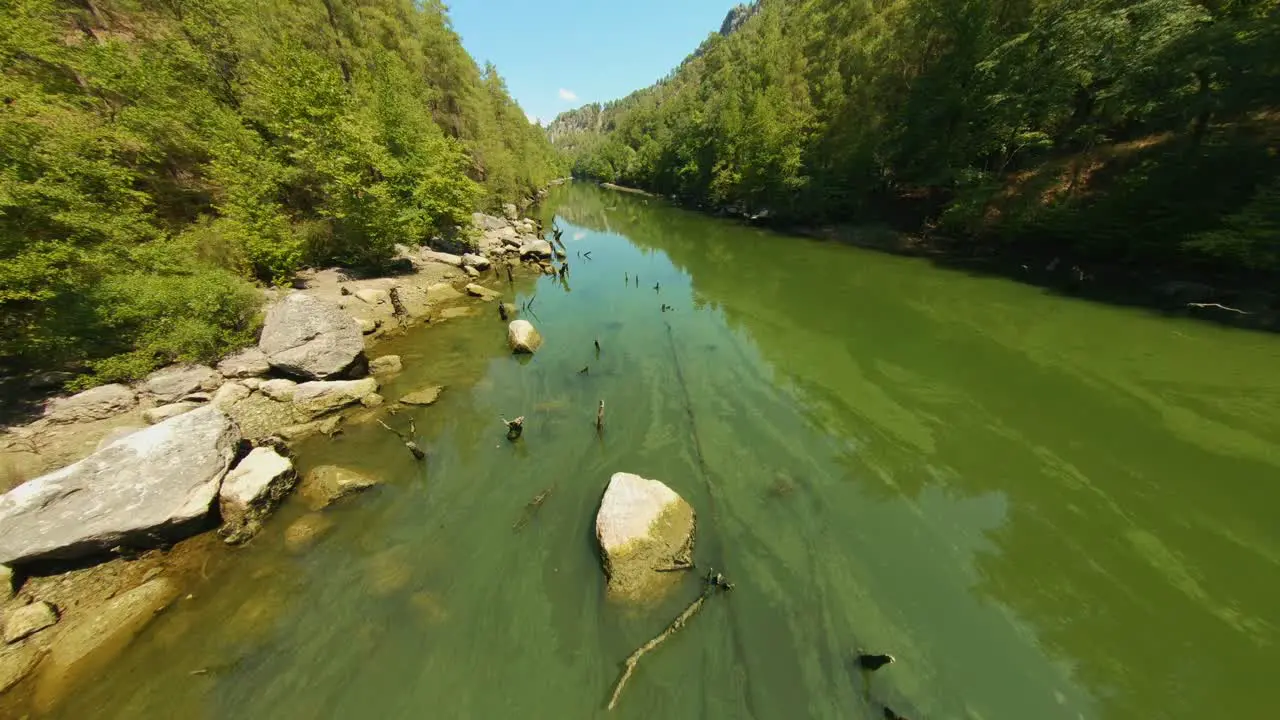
(600, 417)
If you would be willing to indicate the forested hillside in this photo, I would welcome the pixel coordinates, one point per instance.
(157, 155)
(1118, 132)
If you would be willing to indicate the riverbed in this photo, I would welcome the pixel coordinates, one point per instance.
(1042, 507)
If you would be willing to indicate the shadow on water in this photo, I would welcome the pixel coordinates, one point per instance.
(1036, 504)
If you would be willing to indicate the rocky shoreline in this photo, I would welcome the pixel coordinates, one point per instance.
(112, 497)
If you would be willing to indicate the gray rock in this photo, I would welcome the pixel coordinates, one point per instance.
(313, 399)
(249, 362)
(509, 310)
(372, 400)
(115, 434)
(329, 483)
(99, 403)
(156, 483)
(471, 272)
(643, 528)
(50, 380)
(28, 620)
(310, 338)
(536, 248)
(252, 383)
(373, 296)
(177, 381)
(423, 396)
(164, 412)
(523, 337)
(367, 326)
(252, 491)
(502, 235)
(510, 212)
(482, 292)
(84, 649)
(230, 394)
(446, 258)
(514, 241)
(324, 426)
(280, 390)
(487, 222)
(385, 365)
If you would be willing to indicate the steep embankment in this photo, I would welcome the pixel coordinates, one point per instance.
(159, 156)
(1126, 139)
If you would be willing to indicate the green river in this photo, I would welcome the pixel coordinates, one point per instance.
(1044, 508)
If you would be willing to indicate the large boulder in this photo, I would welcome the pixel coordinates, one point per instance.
(156, 483)
(523, 337)
(249, 362)
(99, 403)
(310, 338)
(313, 399)
(327, 484)
(178, 381)
(645, 530)
(510, 212)
(87, 648)
(536, 248)
(253, 490)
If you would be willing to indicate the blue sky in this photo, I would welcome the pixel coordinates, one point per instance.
(559, 54)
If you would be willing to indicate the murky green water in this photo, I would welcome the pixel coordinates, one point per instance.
(1044, 508)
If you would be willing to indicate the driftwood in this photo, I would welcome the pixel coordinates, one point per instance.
(531, 509)
(714, 582)
(600, 417)
(1220, 307)
(418, 452)
(514, 428)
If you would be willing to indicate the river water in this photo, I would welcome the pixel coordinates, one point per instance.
(1044, 508)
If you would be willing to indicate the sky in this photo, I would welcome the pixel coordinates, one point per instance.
(556, 55)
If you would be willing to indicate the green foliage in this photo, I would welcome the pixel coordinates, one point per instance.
(247, 138)
(828, 110)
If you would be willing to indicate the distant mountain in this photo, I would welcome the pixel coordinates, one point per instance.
(574, 130)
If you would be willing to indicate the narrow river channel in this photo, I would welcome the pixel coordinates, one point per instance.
(1044, 508)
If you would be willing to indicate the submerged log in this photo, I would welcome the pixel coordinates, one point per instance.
(715, 581)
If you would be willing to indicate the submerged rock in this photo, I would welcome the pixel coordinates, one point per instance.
(87, 647)
(310, 338)
(249, 362)
(644, 530)
(324, 426)
(28, 620)
(523, 337)
(99, 403)
(313, 399)
(306, 531)
(424, 396)
(156, 483)
(252, 491)
(178, 381)
(329, 483)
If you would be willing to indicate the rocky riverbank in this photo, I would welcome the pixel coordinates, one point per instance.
(112, 495)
